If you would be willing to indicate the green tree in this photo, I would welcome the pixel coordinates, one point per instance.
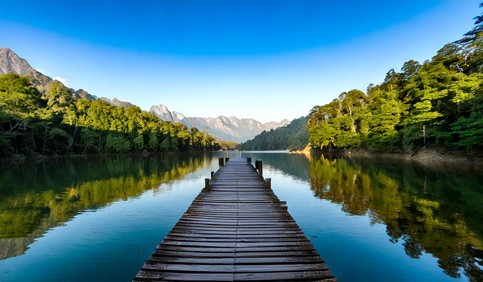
(166, 144)
(19, 99)
(91, 141)
(472, 44)
(58, 97)
(139, 143)
(469, 129)
(117, 144)
(386, 113)
(59, 140)
(153, 142)
(323, 125)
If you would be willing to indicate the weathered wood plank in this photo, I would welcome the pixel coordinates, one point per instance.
(235, 230)
(150, 275)
(234, 268)
(286, 276)
(234, 249)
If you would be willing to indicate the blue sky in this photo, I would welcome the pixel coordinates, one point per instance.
(263, 59)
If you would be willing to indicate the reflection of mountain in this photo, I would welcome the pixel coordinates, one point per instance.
(36, 197)
(289, 164)
(434, 211)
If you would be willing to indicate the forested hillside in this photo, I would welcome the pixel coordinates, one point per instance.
(438, 103)
(292, 136)
(55, 122)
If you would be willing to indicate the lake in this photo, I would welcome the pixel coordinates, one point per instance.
(100, 218)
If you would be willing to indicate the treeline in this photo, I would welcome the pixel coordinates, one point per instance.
(55, 122)
(292, 136)
(438, 103)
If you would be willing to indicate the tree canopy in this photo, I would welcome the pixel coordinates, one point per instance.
(55, 122)
(436, 103)
(292, 136)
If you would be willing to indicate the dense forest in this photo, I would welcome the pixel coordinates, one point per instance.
(438, 103)
(292, 136)
(54, 122)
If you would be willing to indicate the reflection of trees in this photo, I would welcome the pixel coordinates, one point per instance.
(432, 211)
(290, 164)
(39, 196)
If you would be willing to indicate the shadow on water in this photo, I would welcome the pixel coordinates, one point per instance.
(37, 196)
(431, 209)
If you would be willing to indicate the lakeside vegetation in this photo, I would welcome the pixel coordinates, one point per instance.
(54, 122)
(292, 136)
(438, 103)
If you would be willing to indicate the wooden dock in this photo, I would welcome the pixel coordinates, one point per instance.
(235, 230)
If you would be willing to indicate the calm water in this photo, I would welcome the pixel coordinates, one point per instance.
(100, 219)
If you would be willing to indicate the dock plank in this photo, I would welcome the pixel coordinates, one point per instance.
(235, 230)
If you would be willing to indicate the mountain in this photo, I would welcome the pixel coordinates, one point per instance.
(231, 128)
(12, 63)
(293, 136)
(225, 128)
(163, 113)
(118, 103)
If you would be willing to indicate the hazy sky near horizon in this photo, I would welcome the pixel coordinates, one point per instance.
(262, 59)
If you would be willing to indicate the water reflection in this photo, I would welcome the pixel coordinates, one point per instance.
(427, 210)
(294, 165)
(37, 196)
(433, 210)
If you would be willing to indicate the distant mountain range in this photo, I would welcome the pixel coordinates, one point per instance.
(225, 128)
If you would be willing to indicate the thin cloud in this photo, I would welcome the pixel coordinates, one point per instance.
(61, 79)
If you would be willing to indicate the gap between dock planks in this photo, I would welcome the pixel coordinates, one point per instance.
(236, 230)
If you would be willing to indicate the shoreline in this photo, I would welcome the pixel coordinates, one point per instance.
(424, 156)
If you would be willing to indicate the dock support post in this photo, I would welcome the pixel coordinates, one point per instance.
(207, 183)
(268, 182)
(283, 204)
(249, 160)
(259, 167)
(221, 162)
(227, 159)
(212, 173)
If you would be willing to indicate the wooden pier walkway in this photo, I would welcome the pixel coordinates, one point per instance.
(235, 230)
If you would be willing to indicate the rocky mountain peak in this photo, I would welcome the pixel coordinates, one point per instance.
(12, 63)
(163, 113)
(225, 128)
(118, 103)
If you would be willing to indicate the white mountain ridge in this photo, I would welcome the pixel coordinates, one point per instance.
(225, 128)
